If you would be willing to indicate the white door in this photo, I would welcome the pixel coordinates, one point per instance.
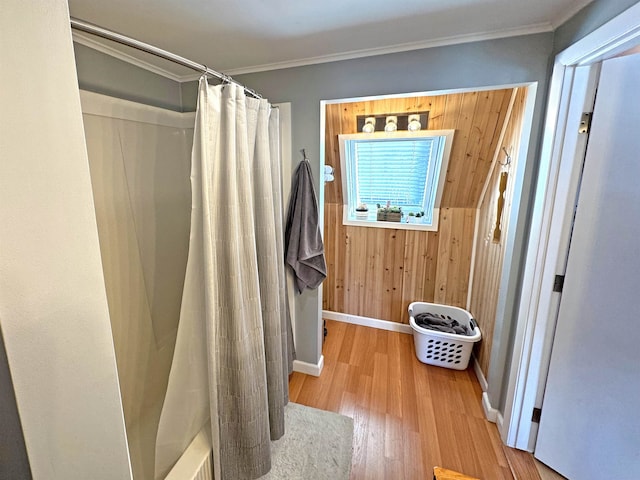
(590, 425)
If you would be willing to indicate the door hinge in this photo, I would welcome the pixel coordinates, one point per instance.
(535, 417)
(585, 122)
(558, 283)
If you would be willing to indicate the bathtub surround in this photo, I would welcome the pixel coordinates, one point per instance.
(233, 332)
(139, 158)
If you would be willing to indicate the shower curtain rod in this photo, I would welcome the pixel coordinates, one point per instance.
(158, 52)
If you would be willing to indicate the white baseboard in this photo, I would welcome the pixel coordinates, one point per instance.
(490, 413)
(479, 375)
(367, 322)
(309, 368)
(500, 424)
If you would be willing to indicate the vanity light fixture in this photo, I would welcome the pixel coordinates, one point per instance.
(391, 124)
(369, 125)
(414, 123)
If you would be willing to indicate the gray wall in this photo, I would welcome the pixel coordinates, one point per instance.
(587, 20)
(14, 463)
(101, 73)
(490, 63)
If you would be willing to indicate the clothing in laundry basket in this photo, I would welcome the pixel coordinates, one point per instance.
(441, 324)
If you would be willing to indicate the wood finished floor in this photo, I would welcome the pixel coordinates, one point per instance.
(408, 417)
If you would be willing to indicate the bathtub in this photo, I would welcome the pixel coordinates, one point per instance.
(195, 462)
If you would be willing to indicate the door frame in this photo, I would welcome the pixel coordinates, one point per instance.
(560, 165)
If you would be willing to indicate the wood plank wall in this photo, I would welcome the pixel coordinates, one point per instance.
(376, 272)
(489, 254)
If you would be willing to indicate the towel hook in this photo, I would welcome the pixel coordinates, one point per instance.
(508, 159)
(304, 153)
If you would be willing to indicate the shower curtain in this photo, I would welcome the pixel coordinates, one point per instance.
(232, 356)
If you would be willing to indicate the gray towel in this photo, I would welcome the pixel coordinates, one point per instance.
(303, 242)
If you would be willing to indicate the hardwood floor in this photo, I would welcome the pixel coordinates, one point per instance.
(408, 416)
(546, 473)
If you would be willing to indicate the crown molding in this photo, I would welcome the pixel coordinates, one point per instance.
(402, 47)
(569, 14)
(85, 40)
(88, 41)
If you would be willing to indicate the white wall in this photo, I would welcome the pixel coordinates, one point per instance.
(53, 307)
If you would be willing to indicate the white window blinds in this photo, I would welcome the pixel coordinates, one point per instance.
(393, 171)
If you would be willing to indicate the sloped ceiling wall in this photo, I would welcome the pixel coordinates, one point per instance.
(477, 118)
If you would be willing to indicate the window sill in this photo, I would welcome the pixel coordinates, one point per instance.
(402, 225)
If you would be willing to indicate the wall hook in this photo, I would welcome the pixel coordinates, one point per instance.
(304, 153)
(508, 159)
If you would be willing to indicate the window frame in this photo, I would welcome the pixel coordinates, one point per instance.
(381, 136)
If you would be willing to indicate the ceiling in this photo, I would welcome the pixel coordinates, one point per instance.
(254, 35)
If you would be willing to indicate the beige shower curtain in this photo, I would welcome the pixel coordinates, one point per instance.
(231, 359)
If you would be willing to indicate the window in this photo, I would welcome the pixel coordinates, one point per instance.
(394, 180)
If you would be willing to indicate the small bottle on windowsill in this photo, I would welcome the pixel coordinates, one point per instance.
(362, 211)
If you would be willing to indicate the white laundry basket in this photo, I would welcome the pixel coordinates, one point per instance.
(447, 350)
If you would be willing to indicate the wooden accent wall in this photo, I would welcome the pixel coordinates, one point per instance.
(489, 254)
(377, 272)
